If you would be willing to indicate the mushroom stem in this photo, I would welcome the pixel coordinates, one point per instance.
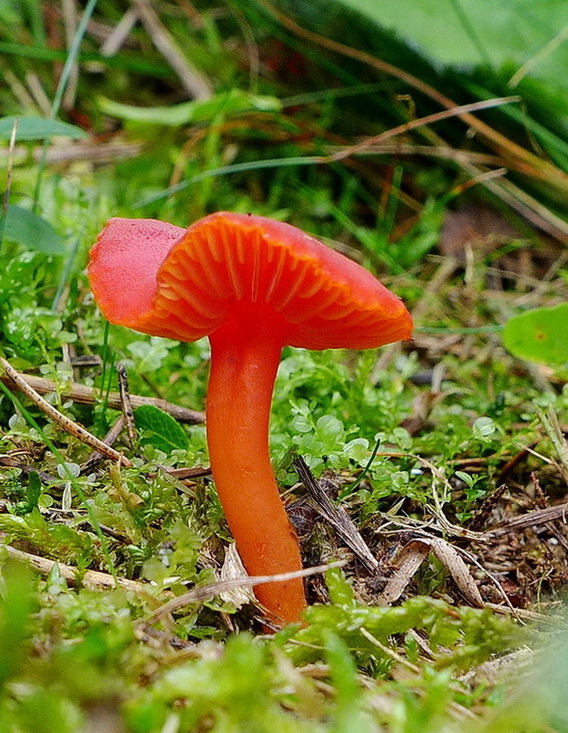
(244, 361)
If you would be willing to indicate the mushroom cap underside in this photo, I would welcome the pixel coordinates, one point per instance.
(185, 283)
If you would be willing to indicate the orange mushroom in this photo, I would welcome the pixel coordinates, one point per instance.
(253, 286)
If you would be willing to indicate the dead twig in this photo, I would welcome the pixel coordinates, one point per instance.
(95, 458)
(8, 461)
(92, 579)
(84, 395)
(182, 474)
(559, 512)
(203, 593)
(420, 122)
(73, 428)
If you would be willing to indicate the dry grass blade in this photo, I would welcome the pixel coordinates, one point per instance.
(203, 593)
(535, 166)
(195, 84)
(420, 122)
(336, 516)
(408, 561)
(119, 33)
(70, 23)
(536, 59)
(92, 579)
(458, 709)
(556, 436)
(90, 151)
(89, 396)
(431, 151)
(6, 199)
(526, 205)
(411, 557)
(556, 621)
(538, 516)
(73, 428)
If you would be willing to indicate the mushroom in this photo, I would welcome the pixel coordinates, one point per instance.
(253, 286)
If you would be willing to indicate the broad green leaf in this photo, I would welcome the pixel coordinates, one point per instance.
(160, 429)
(539, 335)
(471, 33)
(31, 231)
(38, 128)
(229, 103)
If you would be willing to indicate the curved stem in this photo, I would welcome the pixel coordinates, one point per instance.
(244, 362)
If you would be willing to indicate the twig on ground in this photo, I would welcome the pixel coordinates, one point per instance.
(8, 461)
(89, 396)
(65, 423)
(531, 519)
(95, 457)
(92, 579)
(205, 592)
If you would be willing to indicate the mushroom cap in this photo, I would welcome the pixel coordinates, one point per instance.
(185, 283)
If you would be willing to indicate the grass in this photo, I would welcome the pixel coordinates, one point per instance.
(446, 455)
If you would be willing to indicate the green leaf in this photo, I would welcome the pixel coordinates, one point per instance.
(539, 335)
(34, 488)
(467, 32)
(228, 103)
(160, 429)
(38, 128)
(31, 231)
